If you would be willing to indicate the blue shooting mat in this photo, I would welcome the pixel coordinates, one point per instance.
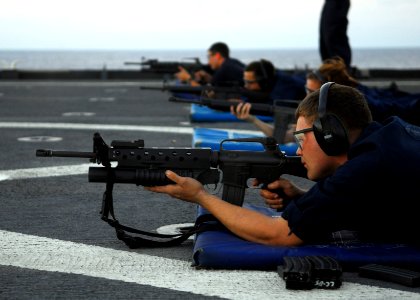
(211, 138)
(221, 249)
(200, 113)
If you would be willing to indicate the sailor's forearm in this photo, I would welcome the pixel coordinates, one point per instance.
(267, 129)
(248, 224)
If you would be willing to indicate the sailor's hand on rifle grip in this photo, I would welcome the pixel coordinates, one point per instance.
(242, 111)
(279, 193)
(273, 198)
(183, 74)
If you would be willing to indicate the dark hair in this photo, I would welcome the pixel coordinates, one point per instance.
(221, 48)
(316, 75)
(347, 103)
(335, 69)
(264, 71)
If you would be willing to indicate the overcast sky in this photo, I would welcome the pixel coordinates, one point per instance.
(195, 24)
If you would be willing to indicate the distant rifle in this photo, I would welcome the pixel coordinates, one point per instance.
(283, 111)
(170, 67)
(146, 166)
(221, 92)
(224, 105)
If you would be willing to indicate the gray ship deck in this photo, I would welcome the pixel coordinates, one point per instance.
(53, 243)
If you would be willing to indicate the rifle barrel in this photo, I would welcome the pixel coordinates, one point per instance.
(176, 89)
(185, 100)
(132, 63)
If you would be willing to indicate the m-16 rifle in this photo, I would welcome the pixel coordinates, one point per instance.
(224, 105)
(219, 92)
(146, 166)
(283, 111)
(170, 67)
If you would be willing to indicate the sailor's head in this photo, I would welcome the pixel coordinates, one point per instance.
(259, 75)
(216, 54)
(332, 69)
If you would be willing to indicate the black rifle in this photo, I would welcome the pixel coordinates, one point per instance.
(224, 105)
(283, 111)
(219, 92)
(146, 166)
(170, 67)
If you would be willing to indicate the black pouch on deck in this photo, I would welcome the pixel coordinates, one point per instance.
(307, 272)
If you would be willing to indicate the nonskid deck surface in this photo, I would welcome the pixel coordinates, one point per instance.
(53, 243)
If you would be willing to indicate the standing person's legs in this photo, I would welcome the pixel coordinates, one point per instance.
(333, 40)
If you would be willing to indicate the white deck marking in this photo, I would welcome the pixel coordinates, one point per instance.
(52, 255)
(84, 126)
(102, 99)
(40, 138)
(45, 172)
(78, 114)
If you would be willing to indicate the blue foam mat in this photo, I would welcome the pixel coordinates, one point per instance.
(211, 138)
(221, 249)
(201, 113)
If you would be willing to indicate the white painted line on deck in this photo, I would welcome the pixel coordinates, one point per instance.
(102, 99)
(52, 255)
(40, 138)
(71, 83)
(86, 126)
(66, 170)
(78, 114)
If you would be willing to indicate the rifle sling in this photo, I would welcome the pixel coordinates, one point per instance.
(203, 223)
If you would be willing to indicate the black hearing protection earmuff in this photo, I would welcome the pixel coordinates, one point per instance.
(329, 131)
(265, 79)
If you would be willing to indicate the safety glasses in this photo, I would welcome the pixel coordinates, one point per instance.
(298, 135)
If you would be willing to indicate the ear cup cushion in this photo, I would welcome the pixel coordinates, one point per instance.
(331, 135)
(263, 81)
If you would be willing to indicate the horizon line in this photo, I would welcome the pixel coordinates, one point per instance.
(199, 49)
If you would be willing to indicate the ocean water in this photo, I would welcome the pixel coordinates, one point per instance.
(395, 58)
